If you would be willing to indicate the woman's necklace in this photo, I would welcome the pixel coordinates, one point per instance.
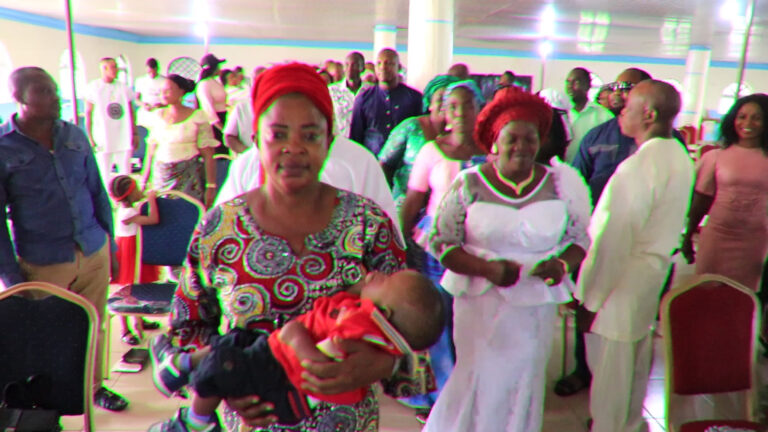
(517, 187)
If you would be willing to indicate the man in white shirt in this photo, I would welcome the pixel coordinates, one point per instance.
(238, 131)
(349, 166)
(343, 92)
(109, 120)
(583, 114)
(634, 229)
(148, 88)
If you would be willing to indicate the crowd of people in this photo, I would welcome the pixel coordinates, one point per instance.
(370, 234)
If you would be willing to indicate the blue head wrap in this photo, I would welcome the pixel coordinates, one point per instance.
(471, 86)
(437, 83)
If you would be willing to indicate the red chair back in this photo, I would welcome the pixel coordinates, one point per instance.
(689, 134)
(710, 329)
(705, 148)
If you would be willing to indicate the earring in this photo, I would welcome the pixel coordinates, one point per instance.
(494, 149)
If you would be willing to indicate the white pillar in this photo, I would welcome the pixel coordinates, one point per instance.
(430, 40)
(384, 36)
(695, 85)
(385, 30)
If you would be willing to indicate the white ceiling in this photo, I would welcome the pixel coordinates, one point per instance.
(651, 28)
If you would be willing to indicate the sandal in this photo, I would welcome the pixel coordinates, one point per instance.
(109, 400)
(571, 384)
(149, 325)
(130, 338)
(422, 414)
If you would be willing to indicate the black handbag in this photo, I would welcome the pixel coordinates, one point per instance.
(23, 407)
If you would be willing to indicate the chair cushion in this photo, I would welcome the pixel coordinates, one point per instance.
(150, 299)
(702, 426)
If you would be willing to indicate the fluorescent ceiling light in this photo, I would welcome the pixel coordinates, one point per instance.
(730, 10)
(547, 21)
(201, 29)
(545, 49)
(200, 9)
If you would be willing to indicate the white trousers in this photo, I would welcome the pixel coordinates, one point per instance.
(106, 160)
(620, 372)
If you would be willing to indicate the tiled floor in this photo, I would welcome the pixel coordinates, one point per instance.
(147, 405)
(569, 414)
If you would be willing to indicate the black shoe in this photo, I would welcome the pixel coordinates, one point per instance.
(422, 414)
(149, 325)
(572, 384)
(130, 339)
(109, 400)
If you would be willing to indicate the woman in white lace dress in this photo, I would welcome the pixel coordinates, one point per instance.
(509, 232)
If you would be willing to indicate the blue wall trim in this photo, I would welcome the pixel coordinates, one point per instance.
(385, 27)
(565, 56)
(103, 32)
(55, 23)
(735, 65)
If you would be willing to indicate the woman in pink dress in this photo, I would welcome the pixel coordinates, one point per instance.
(732, 187)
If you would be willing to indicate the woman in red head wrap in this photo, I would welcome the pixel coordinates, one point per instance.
(266, 256)
(509, 232)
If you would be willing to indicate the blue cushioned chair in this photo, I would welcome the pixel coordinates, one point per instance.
(164, 244)
(49, 331)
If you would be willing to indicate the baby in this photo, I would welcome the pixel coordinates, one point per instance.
(398, 313)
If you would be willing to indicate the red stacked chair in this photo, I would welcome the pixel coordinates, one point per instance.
(710, 327)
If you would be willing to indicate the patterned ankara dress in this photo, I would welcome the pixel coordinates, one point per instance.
(261, 285)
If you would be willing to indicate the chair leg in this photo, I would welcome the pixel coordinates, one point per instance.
(107, 346)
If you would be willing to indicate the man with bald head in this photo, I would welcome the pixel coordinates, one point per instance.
(601, 150)
(62, 219)
(604, 147)
(634, 230)
(380, 108)
(460, 71)
(344, 92)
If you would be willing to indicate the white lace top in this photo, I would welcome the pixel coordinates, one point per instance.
(491, 225)
(182, 140)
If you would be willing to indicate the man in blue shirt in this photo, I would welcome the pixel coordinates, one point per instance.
(52, 192)
(605, 147)
(377, 110)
